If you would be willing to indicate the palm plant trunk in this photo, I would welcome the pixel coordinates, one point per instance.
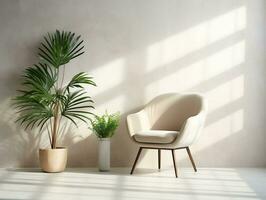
(55, 122)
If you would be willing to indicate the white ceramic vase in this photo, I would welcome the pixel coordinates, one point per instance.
(104, 154)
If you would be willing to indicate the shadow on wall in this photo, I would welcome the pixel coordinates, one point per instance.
(17, 147)
(205, 52)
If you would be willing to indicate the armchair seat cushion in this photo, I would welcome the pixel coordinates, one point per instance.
(156, 136)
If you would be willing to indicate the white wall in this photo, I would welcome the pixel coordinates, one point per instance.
(137, 50)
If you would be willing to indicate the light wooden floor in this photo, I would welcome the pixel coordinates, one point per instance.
(89, 184)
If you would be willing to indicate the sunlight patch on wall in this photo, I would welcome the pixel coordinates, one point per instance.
(224, 60)
(225, 93)
(195, 38)
(183, 79)
(237, 121)
(108, 76)
(112, 105)
(230, 124)
(203, 70)
(226, 24)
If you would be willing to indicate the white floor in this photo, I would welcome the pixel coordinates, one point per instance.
(215, 183)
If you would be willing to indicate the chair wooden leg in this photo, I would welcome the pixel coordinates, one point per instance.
(191, 159)
(173, 155)
(159, 158)
(136, 160)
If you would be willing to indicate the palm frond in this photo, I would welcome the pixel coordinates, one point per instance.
(39, 80)
(76, 105)
(60, 47)
(79, 80)
(33, 112)
(35, 102)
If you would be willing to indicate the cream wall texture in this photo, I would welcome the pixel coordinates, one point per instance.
(137, 50)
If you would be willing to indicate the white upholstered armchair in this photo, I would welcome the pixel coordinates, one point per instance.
(169, 122)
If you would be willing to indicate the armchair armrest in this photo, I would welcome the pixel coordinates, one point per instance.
(191, 129)
(137, 122)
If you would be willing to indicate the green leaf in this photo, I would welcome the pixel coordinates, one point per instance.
(60, 47)
(79, 80)
(75, 106)
(104, 126)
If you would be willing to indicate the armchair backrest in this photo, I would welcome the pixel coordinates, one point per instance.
(170, 111)
(166, 112)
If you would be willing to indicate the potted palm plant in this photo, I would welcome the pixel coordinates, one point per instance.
(104, 127)
(45, 101)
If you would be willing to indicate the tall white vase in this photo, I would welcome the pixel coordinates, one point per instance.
(104, 154)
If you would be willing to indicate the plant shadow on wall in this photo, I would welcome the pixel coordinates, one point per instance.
(18, 146)
(45, 102)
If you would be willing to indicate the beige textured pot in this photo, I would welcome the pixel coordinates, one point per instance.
(53, 160)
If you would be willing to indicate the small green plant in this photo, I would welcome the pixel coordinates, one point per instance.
(104, 126)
